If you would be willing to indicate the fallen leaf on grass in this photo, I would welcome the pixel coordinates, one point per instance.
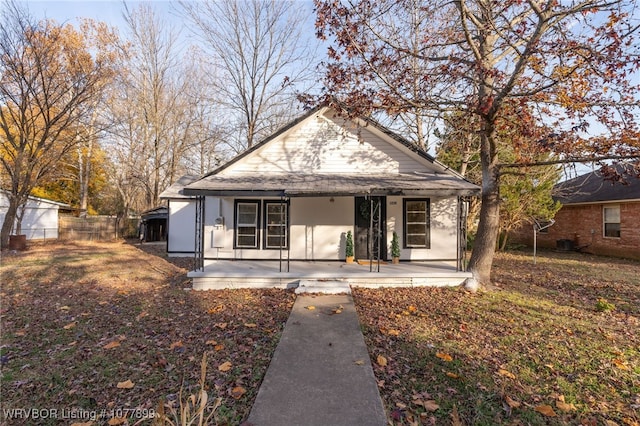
(116, 421)
(142, 315)
(506, 373)
(211, 342)
(20, 333)
(545, 410)
(393, 333)
(216, 309)
(563, 406)
(112, 345)
(218, 348)
(455, 418)
(250, 325)
(225, 366)
(444, 356)
(221, 325)
(175, 345)
(620, 364)
(452, 375)
(237, 392)
(512, 402)
(382, 361)
(125, 385)
(430, 405)
(70, 325)
(82, 424)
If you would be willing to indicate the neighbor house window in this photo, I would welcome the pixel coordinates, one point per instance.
(275, 225)
(246, 224)
(611, 221)
(416, 223)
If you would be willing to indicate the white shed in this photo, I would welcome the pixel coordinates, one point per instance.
(40, 220)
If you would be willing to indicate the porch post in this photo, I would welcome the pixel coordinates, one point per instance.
(198, 260)
(370, 233)
(287, 230)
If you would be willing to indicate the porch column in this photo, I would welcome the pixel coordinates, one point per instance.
(198, 260)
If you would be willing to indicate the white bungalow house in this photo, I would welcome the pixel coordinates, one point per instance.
(280, 211)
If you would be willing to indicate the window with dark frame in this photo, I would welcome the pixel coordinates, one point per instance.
(247, 218)
(275, 225)
(416, 223)
(611, 219)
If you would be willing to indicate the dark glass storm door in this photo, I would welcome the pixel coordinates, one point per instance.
(374, 247)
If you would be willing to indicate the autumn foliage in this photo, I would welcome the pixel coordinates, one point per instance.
(573, 65)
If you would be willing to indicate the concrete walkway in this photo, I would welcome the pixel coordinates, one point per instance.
(320, 373)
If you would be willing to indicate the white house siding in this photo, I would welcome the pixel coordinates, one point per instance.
(181, 229)
(321, 145)
(443, 228)
(318, 227)
(40, 220)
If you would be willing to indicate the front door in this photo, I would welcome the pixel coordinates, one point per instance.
(364, 207)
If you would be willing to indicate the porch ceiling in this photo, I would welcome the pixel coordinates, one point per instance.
(319, 185)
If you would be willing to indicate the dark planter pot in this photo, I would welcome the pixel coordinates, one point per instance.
(18, 242)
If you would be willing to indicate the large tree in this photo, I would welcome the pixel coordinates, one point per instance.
(573, 62)
(259, 58)
(525, 192)
(48, 74)
(156, 108)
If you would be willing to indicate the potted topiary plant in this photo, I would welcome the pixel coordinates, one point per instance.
(395, 248)
(348, 247)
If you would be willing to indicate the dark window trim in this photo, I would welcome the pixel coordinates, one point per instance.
(235, 223)
(427, 225)
(264, 224)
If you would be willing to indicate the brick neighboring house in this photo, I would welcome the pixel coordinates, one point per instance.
(597, 216)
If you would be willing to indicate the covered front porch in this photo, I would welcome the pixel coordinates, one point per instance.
(219, 274)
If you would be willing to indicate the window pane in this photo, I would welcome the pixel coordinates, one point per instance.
(416, 229)
(419, 206)
(276, 228)
(416, 223)
(247, 214)
(416, 217)
(246, 241)
(612, 214)
(416, 240)
(276, 241)
(246, 226)
(612, 230)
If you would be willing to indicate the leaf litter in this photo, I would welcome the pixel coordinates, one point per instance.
(534, 350)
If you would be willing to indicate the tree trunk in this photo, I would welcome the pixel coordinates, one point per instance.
(485, 242)
(9, 220)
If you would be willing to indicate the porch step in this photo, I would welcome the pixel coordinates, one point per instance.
(323, 286)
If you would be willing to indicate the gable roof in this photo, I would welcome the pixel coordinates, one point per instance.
(592, 188)
(331, 159)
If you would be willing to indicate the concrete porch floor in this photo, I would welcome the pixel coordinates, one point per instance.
(219, 274)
